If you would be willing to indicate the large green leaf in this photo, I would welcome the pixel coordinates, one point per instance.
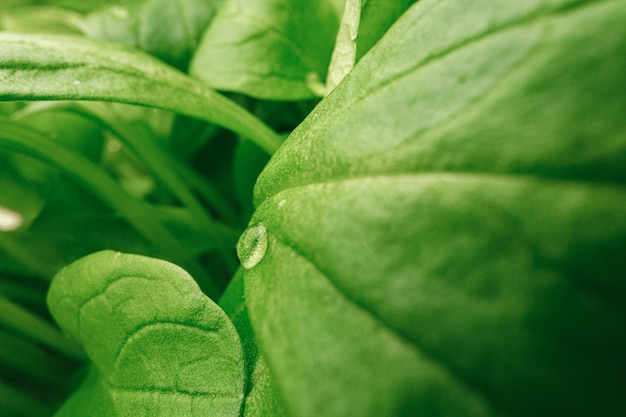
(40, 67)
(169, 30)
(158, 346)
(445, 234)
(268, 49)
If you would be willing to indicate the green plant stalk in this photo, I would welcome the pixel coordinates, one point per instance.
(21, 139)
(21, 320)
(163, 168)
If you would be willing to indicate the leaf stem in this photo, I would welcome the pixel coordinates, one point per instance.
(14, 317)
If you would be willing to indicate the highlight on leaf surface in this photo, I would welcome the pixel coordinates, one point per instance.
(157, 345)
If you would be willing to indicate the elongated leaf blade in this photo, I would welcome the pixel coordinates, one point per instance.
(140, 24)
(46, 67)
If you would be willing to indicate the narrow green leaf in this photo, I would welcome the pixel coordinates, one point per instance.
(20, 320)
(344, 54)
(40, 19)
(159, 346)
(26, 183)
(445, 233)
(32, 362)
(158, 162)
(267, 49)
(39, 67)
(15, 137)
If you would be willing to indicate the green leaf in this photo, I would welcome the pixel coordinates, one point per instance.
(40, 19)
(261, 397)
(141, 24)
(377, 16)
(18, 138)
(363, 24)
(344, 55)
(268, 49)
(40, 67)
(444, 234)
(22, 321)
(158, 346)
(27, 183)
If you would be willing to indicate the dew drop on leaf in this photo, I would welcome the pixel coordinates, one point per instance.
(252, 245)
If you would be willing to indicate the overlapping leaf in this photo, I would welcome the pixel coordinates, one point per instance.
(444, 235)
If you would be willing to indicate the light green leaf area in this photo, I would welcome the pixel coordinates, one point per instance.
(445, 233)
(169, 30)
(26, 183)
(47, 67)
(158, 346)
(269, 49)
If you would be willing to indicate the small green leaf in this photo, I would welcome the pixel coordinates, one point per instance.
(446, 230)
(268, 48)
(159, 347)
(42, 67)
(141, 24)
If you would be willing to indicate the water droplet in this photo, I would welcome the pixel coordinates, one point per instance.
(281, 203)
(120, 12)
(252, 245)
(10, 220)
(113, 146)
(76, 82)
